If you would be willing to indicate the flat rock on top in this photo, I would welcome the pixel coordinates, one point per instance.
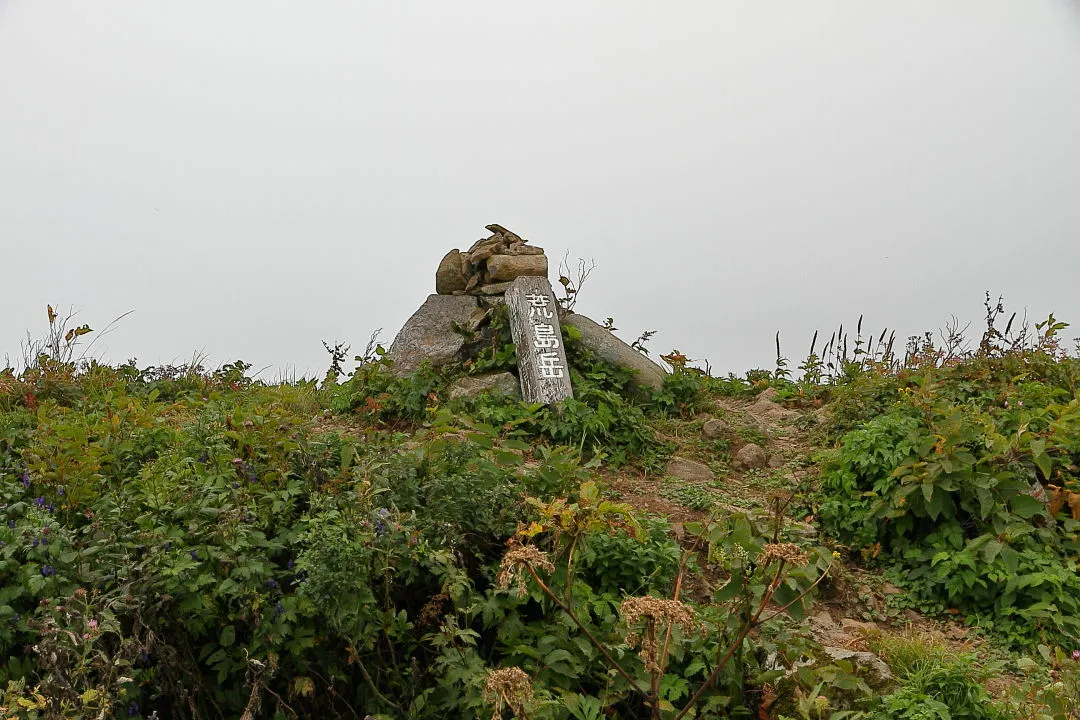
(604, 343)
(428, 335)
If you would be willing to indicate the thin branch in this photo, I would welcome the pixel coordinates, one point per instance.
(735, 644)
(592, 638)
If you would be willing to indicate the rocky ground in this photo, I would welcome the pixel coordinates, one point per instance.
(754, 455)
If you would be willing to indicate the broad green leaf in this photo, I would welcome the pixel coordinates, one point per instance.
(1026, 506)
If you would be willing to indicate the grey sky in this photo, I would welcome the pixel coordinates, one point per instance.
(254, 177)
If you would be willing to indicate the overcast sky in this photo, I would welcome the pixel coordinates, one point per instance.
(254, 177)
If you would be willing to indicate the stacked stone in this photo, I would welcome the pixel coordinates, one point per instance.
(490, 265)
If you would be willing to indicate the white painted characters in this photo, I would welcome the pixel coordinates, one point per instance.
(539, 306)
(545, 337)
(550, 365)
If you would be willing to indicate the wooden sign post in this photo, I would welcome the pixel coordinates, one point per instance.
(534, 323)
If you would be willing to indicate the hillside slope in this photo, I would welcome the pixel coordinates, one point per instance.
(881, 537)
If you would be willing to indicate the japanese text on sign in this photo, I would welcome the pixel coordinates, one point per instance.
(545, 337)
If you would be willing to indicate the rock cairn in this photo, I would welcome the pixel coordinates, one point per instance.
(467, 285)
(490, 265)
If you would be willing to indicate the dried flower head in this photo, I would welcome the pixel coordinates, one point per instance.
(786, 552)
(654, 611)
(507, 688)
(516, 559)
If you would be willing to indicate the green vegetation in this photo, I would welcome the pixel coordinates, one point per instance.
(960, 482)
(178, 542)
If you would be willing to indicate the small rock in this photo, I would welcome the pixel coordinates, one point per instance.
(689, 470)
(823, 621)
(765, 409)
(494, 289)
(956, 632)
(714, 429)
(878, 670)
(825, 630)
(452, 275)
(523, 249)
(750, 456)
(502, 383)
(806, 532)
(506, 268)
(483, 249)
(775, 461)
(850, 625)
(890, 589)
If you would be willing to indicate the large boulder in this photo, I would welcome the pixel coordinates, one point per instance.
(429, 335)
(603, 342)
(453, 274)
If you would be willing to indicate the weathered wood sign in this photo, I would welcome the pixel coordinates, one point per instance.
(534, 323)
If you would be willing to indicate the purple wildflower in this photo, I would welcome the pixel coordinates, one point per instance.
(1076, 655)
(60, 490)
(279, 608)
(194, 554)
(39, 501)
(25, 479)
(272, 584)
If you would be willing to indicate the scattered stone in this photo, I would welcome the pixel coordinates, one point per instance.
(715, 429)
(957, 632)
(769, 393)
(877, 670)
(429, 336)
(851, 625)
(749, 457)
(502, 383)
(824, 628)
(775, 462)
(806, 532)
(890, 589)
(689, 470)
(603, 342)
(452, 275)
(767, 410)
